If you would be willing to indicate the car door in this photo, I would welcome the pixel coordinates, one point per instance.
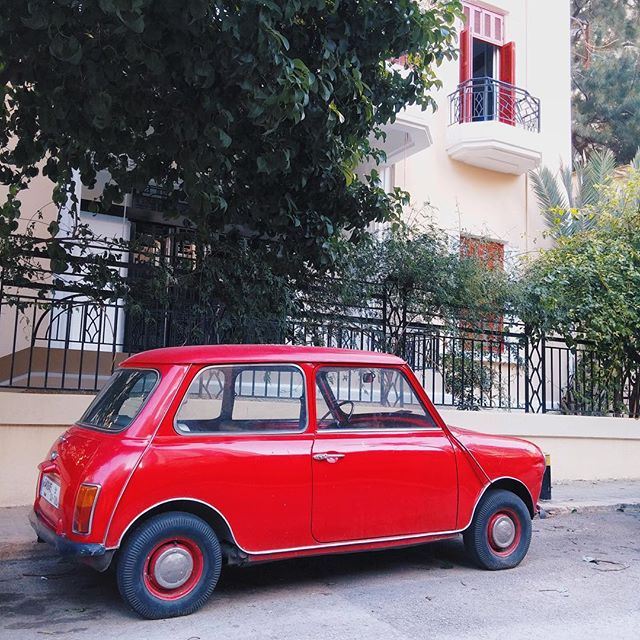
(381, 466)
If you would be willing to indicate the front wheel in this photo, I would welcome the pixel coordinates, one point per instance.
(500, 532)
(169, 565)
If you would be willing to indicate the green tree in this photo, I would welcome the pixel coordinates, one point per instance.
(256, 113)
(586, 289)
(606, 64)
(569, 200)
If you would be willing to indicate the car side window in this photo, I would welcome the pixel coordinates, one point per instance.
(368, 398)
(244, 398)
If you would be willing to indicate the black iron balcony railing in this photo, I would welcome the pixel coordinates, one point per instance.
(486, 99)
(155, 198)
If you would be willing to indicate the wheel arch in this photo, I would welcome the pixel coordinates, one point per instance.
(220, 525)
(518, 488)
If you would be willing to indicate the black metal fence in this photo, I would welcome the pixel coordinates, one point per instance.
(486, 99)
(70, 343)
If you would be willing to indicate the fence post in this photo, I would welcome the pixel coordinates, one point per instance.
(535, 385)
(383, 347)
(527, 403)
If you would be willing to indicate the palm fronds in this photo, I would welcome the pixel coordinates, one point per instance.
(569, 200)
(547, 190)
(597, 171)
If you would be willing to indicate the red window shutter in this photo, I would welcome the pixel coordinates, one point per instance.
(467, 246)
(508, 63)
(466, 53)
(484, 23)
(486, 251)
(466, 69)
(506, 98)
(495, 255)
(497, 33)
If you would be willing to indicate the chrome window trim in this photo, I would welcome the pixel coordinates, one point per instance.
(246, 433)
(88, 425)
(387, 430)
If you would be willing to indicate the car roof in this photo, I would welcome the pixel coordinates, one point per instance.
(276, 353)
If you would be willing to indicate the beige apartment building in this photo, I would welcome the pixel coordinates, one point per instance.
(504, 110)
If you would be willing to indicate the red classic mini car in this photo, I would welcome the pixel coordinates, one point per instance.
(192, 457)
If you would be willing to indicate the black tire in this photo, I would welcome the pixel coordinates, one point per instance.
(159, 536)
(487, 550)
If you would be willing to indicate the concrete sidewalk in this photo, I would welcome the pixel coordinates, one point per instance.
(577, 496)
(17, 538)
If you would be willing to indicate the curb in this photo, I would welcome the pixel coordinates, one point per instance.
(562, 508)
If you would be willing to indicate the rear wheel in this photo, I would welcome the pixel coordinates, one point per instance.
(500, 532)
(169, 565)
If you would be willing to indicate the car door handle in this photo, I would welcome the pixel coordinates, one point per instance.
(331, 458)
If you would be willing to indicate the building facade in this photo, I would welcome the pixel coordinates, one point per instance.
(504, 110)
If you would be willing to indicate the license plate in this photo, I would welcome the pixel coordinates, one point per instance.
(50, 491)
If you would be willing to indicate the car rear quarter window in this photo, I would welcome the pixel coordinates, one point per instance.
(244, 398)
(116, 406)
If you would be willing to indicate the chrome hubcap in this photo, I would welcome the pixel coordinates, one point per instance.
(503, 532)
(173, 568)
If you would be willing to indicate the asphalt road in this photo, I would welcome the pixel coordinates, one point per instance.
(429, 592)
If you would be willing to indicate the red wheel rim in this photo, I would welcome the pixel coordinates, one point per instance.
(504, 532)
(173, 568)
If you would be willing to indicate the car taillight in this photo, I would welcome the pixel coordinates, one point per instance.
(85, 504)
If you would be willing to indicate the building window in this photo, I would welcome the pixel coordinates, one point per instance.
(487, 67)
(491, 326)
(488, 252)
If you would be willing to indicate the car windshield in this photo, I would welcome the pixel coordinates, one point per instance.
(120, 401)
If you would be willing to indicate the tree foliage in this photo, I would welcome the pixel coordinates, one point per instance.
(414, 274)
(256, 113)
(606, 64)
(568, 199)
(586, 287)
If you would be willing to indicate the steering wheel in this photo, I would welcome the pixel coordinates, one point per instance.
(340, 405)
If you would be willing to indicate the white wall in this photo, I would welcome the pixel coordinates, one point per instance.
(110, 329)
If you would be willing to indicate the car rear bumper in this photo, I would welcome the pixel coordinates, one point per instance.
(91, 553)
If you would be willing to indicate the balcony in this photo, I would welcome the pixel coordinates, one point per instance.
(156, 198)
(494, 125)
(408, 134)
